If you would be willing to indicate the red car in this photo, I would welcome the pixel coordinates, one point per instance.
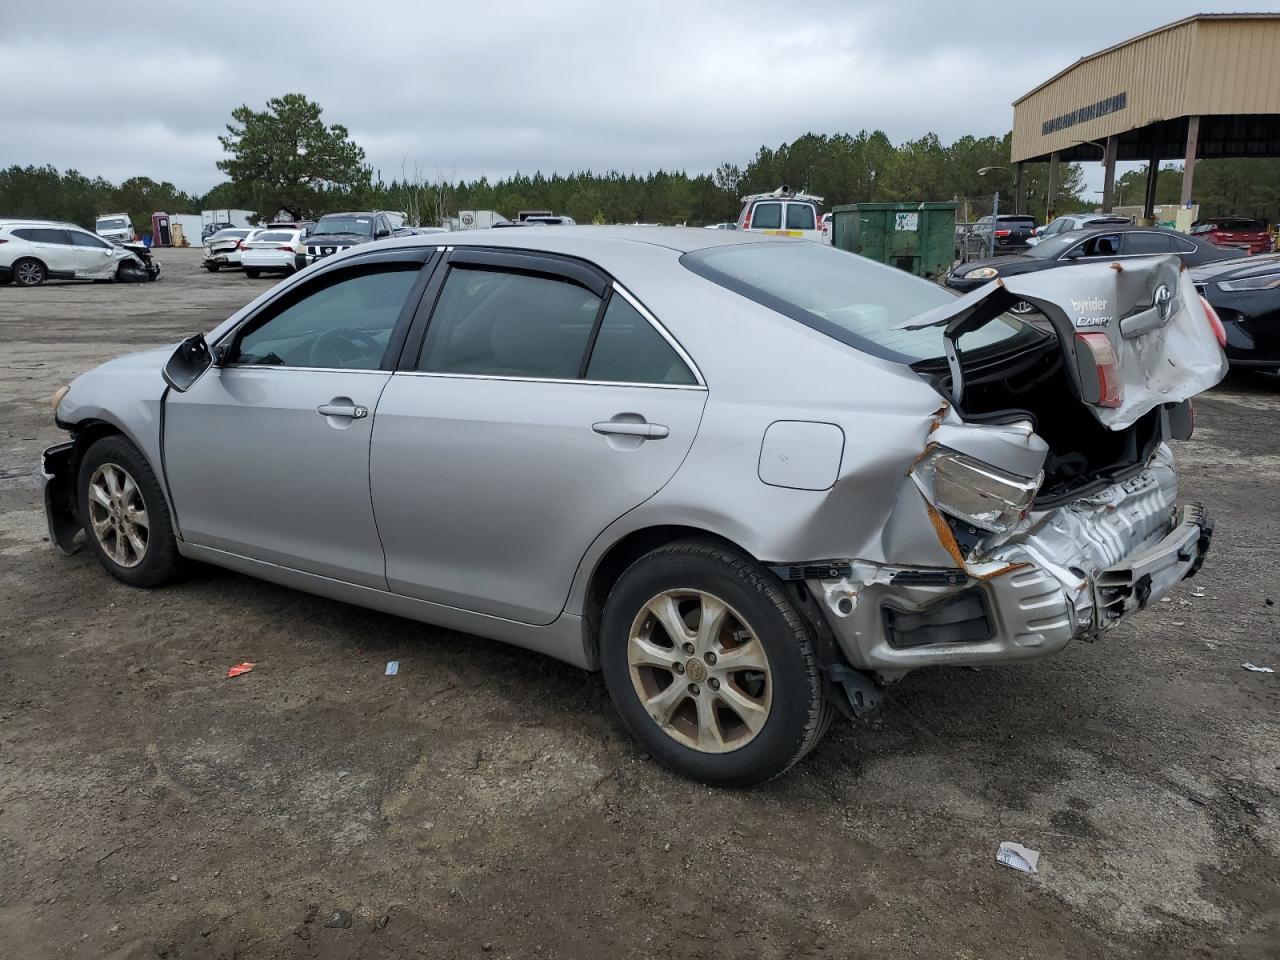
(1251, 235)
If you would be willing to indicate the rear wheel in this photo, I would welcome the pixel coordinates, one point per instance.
(125, 516)
(29, 273)
(211, 267)
(710, 666)
(252, 273)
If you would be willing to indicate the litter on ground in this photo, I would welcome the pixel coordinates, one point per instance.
(240, 668)
(1017, 856)
(1254, 668)
(393, 667)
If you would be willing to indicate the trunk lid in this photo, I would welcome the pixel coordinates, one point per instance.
(1135, 335)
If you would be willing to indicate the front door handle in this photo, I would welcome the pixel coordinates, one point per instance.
(629, 428)
(353, 410)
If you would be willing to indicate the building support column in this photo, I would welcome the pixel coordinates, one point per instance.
(1019, 200)
(1051, 193)
(1109, 173)
(1153, 175)
(1189, 164)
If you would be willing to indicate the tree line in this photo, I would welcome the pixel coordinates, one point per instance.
(286, 159)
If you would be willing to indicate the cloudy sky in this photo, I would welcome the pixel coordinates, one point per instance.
(483, 87)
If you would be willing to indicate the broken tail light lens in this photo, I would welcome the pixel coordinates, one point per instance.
(1215, 322)
(1107, 364)
(983, 495)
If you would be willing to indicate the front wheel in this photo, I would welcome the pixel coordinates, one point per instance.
(212, 267)
(710, 665)
(252, 273)
(29, 273)
(125, 516)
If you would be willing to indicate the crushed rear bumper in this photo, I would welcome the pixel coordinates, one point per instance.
(1074, 571)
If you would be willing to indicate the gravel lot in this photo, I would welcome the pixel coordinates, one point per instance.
(485, 801)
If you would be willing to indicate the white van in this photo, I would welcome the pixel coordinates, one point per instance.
(784, 213)
(116, 227)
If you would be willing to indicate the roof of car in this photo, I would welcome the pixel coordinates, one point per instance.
(562, 239)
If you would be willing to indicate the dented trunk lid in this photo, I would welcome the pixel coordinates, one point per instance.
(1165, 349)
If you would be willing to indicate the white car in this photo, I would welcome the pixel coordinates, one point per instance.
(33, 251)
(784, 213)
(1075, 221)
(271, 251)
(225, 247)
(114, 228)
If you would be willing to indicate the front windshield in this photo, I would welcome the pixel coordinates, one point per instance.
(335, 225)
(115, 223)
(848, 297)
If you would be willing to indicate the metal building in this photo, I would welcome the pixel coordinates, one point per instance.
(1206, 86)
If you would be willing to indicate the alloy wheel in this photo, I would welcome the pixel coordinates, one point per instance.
(700, 671)
(29, 274)
(118, 515)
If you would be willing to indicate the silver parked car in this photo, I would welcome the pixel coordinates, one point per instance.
(752, 479)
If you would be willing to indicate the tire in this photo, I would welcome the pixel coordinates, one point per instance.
(158, 561)
(29, 273)
(708, 735)
(212, 267)
(252, 274)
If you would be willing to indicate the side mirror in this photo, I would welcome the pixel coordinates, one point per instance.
(1073, 254)
(184, 367)
(381, 233)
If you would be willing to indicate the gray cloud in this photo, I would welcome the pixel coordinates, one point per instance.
(489, 88)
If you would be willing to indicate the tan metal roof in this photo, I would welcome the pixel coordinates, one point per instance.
(1208, 64)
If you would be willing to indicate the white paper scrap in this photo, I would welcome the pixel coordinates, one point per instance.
(393, 667)
(1017, 856)
(1257, 669)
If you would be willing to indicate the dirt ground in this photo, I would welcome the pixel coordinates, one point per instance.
(485, 802)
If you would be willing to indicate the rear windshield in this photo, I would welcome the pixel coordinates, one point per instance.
(274, 237)
(848, 297)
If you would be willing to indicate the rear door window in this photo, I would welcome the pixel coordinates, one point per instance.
(629, 350)
(1138, 244)
(800, 216)
(508, 324)
(767, 216)
(80, 239)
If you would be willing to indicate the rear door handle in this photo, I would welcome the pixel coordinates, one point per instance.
(353, 410)
(627, 428)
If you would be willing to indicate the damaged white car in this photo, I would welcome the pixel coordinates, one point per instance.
(33, 251)
(752, 480)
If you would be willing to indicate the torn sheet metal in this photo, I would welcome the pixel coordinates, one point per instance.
(1148, 308)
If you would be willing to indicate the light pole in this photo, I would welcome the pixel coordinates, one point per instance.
(995, 209)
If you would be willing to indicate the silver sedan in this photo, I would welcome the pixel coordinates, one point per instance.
(751, 479)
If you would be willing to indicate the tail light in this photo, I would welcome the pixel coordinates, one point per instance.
(1107, 365)
(3, 240)
(239, 244)
(1003, 233)
(286, 248)
(1215, 323)
(746, 219)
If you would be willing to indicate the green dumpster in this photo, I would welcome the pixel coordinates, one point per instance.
(917, 237)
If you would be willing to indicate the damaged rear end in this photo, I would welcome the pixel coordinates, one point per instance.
(1046, 475)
